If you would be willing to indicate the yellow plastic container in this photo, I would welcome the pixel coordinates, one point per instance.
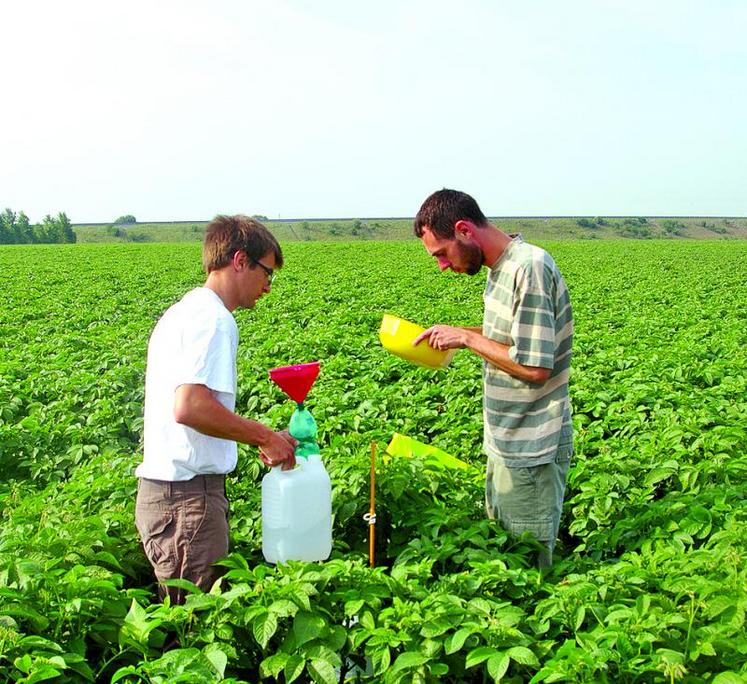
(397, 335)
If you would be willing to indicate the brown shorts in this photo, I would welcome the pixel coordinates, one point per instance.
(184, 529)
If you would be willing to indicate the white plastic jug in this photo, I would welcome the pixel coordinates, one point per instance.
(297, 512)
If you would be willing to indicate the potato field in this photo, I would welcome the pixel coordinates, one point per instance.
(650, 578)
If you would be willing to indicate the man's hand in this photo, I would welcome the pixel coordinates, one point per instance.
(443, 337)
(279, 449)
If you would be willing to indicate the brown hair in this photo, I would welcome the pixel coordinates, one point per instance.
(443, 209)
(226, 235)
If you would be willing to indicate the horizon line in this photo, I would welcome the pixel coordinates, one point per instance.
(411, 218)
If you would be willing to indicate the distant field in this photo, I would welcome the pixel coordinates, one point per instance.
(536, 228)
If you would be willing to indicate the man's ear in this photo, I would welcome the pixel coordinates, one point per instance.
(240, 260)
(463, 229)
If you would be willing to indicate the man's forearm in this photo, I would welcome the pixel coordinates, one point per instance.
(496, 354)
(196, 407)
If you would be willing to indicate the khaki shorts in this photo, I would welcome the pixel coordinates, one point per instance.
(529, 499)
(184, 529)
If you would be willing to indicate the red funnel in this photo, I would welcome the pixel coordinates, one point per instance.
(296, 381)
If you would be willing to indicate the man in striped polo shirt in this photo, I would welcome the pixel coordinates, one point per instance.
(525, 343)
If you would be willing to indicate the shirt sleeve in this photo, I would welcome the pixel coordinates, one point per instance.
(533, 323)
(208, 358)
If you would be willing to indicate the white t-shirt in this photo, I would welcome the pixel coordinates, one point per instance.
(194, 342)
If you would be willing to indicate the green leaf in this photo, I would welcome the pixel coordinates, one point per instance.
(217, 659)
(523, 656)
(455, 641)
(431, 647)
(352, 607)
(123, 672)
(697, 523)
(381, 659)
(234, 560)
(263, 628)
(293, 668)
(108, 558)
(300, 597)
(196, 602)
(8, 622)
(137, 625)
(189, 661)
(178, 583)
(37, 643)
(729, 678)
(438, 669)
(719, 604)
(546, 674)
(367, 620)
(480, 605)
(434, 628)
(578, 618)
(59, 661)
(322, 671)
(479, 655)
(498, 665)
(24, 663)
(307, 626)
(408, 660)
(253, 612)
(43, 674)
(38, 621)
(337, 637)
(283, 608)
(321, 651)
(657, 475)
(272, 665)
(77, 664)
(706, 648)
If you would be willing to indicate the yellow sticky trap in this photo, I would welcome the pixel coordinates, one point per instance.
(409, 447)
(397, 335)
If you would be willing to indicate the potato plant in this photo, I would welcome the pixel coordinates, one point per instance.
(649, 584)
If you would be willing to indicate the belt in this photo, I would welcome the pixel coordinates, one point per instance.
(198, 484)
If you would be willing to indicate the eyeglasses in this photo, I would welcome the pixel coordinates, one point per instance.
(268, 271)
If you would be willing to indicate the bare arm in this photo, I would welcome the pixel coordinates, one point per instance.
(196, 407)
(449, 337)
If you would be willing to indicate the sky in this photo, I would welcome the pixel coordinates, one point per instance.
(181, 110)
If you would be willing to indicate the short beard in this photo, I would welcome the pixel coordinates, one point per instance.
(472, 256)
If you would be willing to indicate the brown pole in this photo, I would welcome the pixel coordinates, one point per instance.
(372, 509)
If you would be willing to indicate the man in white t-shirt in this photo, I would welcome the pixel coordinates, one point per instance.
(191, 428)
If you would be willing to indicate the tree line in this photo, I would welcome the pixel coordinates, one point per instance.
(16, 229)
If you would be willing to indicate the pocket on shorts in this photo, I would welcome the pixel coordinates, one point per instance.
(157, 530)
(194, 514)
(542, 529)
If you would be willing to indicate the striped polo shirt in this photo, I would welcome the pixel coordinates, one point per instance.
(528, 308)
